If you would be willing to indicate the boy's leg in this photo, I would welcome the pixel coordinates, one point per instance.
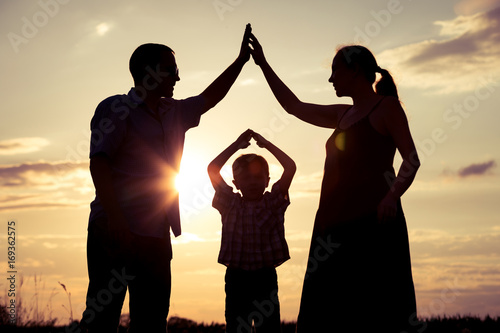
(150, 290)
(238, 289)
(266, 306)
(107, 288)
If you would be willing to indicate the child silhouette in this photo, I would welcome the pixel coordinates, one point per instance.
(253, 236)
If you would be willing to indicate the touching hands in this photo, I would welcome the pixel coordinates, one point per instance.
(250, 45)
(243, 140)
(261, 142)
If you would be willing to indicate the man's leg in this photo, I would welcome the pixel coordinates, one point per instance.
(107, 287)
(150, 290)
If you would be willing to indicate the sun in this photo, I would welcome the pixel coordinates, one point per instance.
(193, 177)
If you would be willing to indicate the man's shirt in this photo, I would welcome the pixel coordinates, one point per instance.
(144, 150)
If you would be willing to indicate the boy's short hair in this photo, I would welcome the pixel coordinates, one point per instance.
(243, 162)
(146, 56)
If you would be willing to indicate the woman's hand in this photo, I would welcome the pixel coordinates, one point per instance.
(257, 51)
(387, 209)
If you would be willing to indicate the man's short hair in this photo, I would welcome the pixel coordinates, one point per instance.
(144, 57)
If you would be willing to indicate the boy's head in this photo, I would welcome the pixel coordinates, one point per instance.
(251, 175)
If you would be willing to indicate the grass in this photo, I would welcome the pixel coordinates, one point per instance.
(447, 324)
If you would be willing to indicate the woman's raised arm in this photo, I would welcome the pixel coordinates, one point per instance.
(318, 115)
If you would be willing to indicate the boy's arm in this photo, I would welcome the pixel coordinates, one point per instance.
(216, 91)
(216, 165)
(285, 160)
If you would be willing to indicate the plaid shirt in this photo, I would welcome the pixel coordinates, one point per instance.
(253, 232)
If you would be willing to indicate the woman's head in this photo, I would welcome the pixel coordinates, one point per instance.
(359, 58)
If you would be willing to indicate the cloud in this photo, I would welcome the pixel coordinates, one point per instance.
(53, 241)
(248, 82)
(307, 185)
(102, 28)
(478, 169)
(468, 7)
(39, 205)
(22, 145)
(438, 244)
(452, 271)
(41, 174)
(467, 50)
(44, 185)
(187, 238)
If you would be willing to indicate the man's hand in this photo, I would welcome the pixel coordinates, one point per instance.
(245, 44)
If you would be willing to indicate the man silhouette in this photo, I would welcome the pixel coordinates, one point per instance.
(136, 149)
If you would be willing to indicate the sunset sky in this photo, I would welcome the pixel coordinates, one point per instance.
(59, 59)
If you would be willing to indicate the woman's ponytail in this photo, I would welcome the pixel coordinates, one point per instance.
(386, 86)
(357, 55)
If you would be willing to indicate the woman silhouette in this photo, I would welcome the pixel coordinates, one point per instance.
(359, 275)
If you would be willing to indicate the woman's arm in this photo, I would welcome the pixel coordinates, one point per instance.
(318, 115)
(396, 124)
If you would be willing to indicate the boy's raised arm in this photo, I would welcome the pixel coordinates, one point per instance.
(285, 160)
(216, 165)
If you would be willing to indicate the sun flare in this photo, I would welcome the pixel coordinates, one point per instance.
(192, 176)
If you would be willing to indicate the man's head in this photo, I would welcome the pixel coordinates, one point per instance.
(154, 69)
(251, 175)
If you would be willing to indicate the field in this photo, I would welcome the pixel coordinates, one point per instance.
(37, 318)
(456, 324)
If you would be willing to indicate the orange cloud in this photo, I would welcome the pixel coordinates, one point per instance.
(22, 145)
(465, 55)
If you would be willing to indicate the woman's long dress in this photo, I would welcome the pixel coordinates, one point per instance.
(359, 275)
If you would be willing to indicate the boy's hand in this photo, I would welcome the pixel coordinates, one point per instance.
(243, 140)
(245, 44)
(261, 142)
